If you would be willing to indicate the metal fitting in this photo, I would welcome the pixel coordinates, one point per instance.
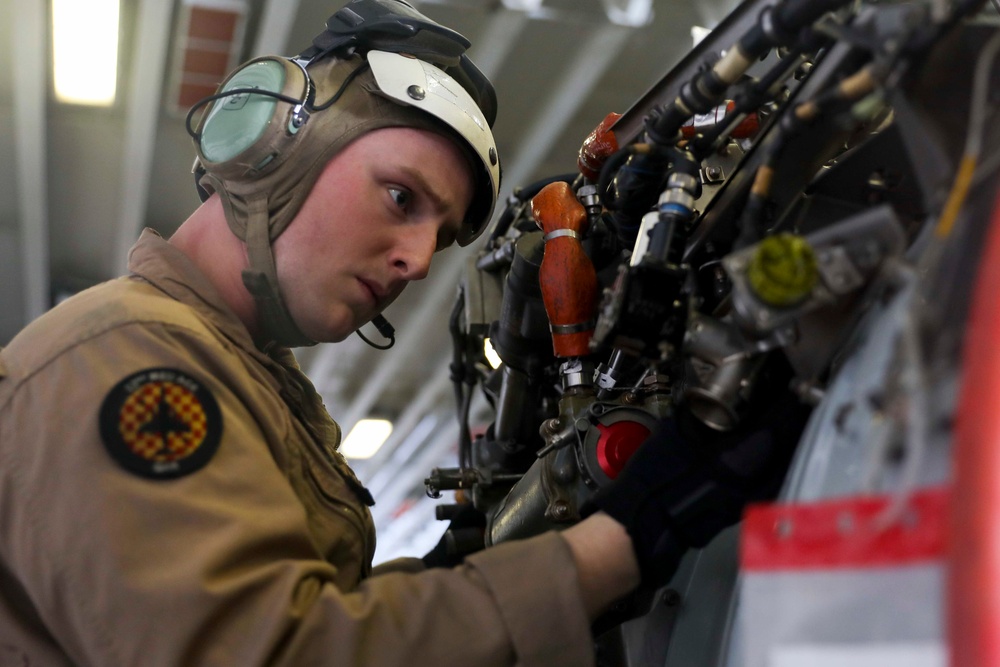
(588, 195)
(682, 181)
(677, 197)
(575, 373)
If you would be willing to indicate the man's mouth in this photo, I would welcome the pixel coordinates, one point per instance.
(374, 291)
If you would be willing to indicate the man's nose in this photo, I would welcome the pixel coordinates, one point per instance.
(414, 251)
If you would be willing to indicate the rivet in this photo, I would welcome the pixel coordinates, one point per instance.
(493, 156)
(416, 92)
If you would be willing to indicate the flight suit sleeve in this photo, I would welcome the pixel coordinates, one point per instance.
(214, 565)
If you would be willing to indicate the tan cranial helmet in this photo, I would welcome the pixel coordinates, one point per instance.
(276, 122)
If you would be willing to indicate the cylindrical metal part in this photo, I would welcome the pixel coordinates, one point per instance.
(576, 373)
(522, 333)
(724, 373)
(499, 258)
(511, 419)
(522, 513)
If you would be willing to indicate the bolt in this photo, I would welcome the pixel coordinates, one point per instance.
(560, 511)
(416, 92)
(551, 427)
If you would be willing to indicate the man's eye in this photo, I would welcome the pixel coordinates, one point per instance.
(400, 197)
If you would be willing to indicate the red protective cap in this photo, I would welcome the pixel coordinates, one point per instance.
(617, 444)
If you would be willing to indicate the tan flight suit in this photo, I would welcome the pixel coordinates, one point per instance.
(260, 556)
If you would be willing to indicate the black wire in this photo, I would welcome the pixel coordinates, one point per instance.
(392, 341)
(460, 378)
(230, 93)
(340, 91)
(268, 93)
(465, 445)
(609, 170)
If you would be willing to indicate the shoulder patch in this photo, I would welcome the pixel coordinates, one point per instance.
(161, 423)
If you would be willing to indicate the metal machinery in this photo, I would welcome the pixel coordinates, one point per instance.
(796, 208)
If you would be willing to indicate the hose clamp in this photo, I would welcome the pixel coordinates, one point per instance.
(560, 232)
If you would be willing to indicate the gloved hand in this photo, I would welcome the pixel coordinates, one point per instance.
(686, 483)
(465, 535)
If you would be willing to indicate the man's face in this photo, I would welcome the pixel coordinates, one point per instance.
(378, 212)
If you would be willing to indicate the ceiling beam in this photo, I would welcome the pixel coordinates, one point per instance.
(497, 41)
(31, 79)
(275, 27)
(142, 115)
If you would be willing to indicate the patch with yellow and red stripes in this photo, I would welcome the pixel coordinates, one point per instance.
(161, 423)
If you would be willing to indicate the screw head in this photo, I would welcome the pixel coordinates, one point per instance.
(416, 92)
(493, 156)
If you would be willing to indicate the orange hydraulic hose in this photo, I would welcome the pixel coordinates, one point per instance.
(566, 276)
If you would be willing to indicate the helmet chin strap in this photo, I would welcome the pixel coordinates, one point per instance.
(261, 280)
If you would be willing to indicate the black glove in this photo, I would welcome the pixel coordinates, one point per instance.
(686, 483)
(465, 535)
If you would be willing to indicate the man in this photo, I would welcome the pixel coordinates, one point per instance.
(170, 489)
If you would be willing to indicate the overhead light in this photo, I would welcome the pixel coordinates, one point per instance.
(629, 13)
(699, 33)
(85, 51)
(367, 436)
(491, 354)
(523, 5)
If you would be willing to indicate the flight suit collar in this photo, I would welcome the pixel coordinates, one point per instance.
(167, 268)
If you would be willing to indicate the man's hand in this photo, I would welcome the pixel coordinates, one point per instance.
(604, 560)
(687, 483)
(465, 535)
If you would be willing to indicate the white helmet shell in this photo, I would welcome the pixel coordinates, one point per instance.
(419, 84)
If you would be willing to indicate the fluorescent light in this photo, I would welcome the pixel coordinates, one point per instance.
(85, 50)
(365, 438)
(699, 33)
(523, 5)
(629, 13)
(491, 354)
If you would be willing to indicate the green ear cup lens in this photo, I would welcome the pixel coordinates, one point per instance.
(237, 122)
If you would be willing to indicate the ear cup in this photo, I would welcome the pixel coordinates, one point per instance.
(237, 122)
